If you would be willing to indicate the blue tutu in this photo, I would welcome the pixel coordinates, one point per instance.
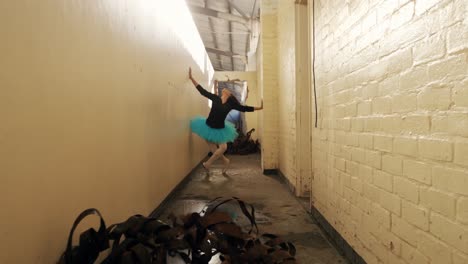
(215, 135)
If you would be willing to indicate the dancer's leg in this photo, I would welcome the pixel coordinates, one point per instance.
(216, 155)
(213, 147)
(226, 163)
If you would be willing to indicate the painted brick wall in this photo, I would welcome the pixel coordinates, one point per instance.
(287, 90)
(390, 156)
(269, 83)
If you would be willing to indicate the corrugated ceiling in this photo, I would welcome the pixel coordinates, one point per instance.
(225, 28)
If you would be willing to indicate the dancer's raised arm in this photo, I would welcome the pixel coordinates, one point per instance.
(191, 78)
(200, 88)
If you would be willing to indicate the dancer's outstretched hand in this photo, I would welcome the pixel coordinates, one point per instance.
(191, 77)
(259, 107)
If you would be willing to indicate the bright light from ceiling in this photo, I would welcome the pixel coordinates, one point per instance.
(177, 16)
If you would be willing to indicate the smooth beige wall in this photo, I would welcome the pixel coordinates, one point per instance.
(391, 152)
(253, 99)
(94, 112)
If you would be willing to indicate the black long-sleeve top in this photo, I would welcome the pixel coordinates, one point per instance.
(219, 111)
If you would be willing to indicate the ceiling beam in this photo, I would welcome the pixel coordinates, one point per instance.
(215, 39)
(230, 37)
(233, 4)
(221, 15)
(247, 45)
(201, 30)
(223, 52)
(253, 9)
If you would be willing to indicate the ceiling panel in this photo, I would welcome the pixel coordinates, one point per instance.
(225, 35)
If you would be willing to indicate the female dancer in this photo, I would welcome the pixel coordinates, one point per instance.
(214, 129)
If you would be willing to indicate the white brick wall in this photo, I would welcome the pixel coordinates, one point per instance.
(390, 156)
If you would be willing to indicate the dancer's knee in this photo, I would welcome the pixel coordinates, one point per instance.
(223, 147)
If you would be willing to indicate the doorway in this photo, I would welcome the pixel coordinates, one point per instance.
(239, 90)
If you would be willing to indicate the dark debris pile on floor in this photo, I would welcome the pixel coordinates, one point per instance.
(277, 211)
(212, 234)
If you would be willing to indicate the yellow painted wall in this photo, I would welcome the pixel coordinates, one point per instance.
(291, 72)
(253, 98)
(259, 66)
(390, 156)
(287, 158)
(94, 112)
(268, 83)
(303, 102)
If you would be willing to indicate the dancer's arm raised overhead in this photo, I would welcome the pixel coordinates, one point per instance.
(200, 88)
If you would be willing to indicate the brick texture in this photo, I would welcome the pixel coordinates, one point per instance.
(392, 88)
(390, 154)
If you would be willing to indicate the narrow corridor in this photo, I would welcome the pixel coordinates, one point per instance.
(277, 210)
(362, 106)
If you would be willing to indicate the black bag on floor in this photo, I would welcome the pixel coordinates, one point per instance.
(91, 243)
(195, 238)
(243, 144)
(237, 246)
(142, 243)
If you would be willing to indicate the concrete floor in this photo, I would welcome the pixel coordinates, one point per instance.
(277, 210)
